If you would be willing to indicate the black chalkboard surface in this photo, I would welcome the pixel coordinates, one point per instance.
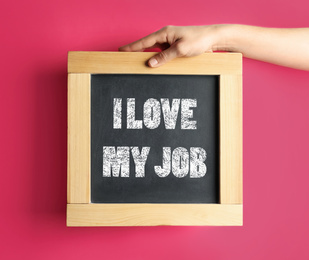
(129, 112)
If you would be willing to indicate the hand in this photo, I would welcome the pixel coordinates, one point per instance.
(178, 41)
(286, 47)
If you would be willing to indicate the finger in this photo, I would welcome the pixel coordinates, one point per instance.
(146, 42)
(163, 57)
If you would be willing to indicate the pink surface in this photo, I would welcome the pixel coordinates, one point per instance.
(35, 38)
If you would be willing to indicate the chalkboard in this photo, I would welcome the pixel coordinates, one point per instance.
(156, 146)
(135, 119)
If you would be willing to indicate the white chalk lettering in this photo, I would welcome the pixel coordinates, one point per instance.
(119, 161)
(152, 113)
(170, 113)
(131, 122)
(166, 163)
(198, 168)
(187, 113)
(117, 111)
(140, 159)
(180, 162)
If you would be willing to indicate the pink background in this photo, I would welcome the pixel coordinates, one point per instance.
(35, 38)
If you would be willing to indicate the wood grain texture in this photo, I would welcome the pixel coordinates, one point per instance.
(78, 138)
(135, 63)
(231, 146)
(153, 214)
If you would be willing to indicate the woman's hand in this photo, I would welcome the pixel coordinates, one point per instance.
(285, 47)
(178, 41)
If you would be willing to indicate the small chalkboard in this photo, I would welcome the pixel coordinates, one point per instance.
(154, 146)
(176, 120)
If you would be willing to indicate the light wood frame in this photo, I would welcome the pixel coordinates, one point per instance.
(80, 210)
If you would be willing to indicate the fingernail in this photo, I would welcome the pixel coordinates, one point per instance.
(153, 62)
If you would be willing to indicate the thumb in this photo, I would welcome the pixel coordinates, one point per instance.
(163, 57)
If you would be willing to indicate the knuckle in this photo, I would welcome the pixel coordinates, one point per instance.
(181, 49)
(163, 57)
(167, 28)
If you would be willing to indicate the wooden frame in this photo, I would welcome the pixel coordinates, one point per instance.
(81, 212)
